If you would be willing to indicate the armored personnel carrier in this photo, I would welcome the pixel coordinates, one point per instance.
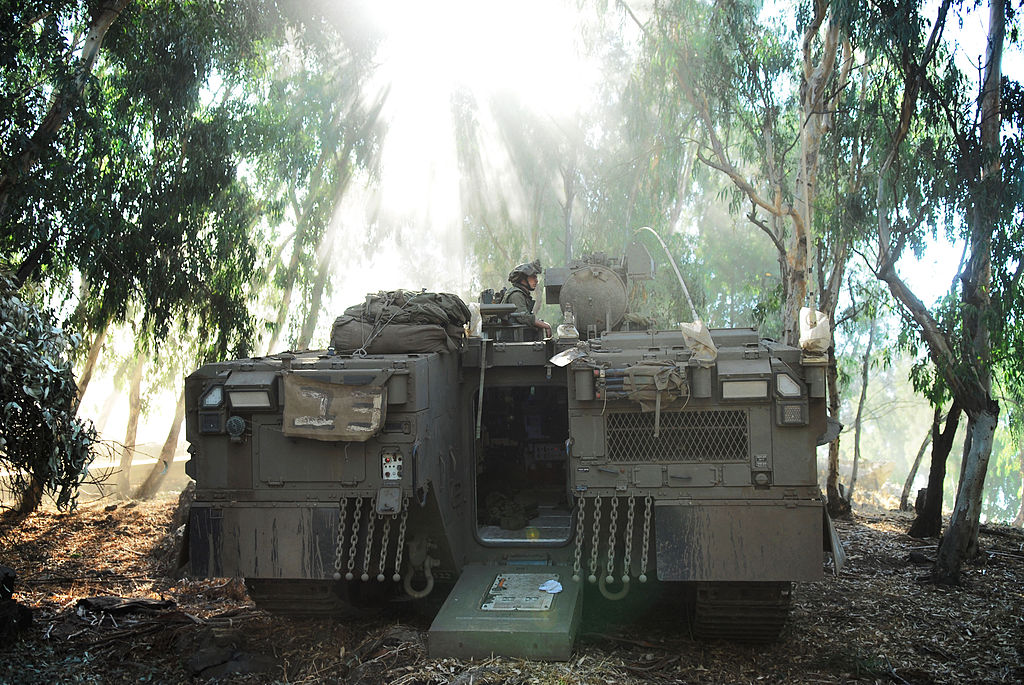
(511, 472)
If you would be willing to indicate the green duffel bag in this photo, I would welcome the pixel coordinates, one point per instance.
(405, 307)
(350, 335)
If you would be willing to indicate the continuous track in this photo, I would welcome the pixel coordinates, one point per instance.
(741, 612)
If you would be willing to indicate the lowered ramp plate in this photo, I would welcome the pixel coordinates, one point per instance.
(501, 611)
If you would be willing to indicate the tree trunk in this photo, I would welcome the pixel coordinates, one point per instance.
(124, 476)
(1019, 520)
(313, 315)
(108, 405)
(858, 423)
(961, 539)
(963, 454)
(67, 99)
(323, 270)
(569, 188)
(289, 286)
(302, 226)
(928, 523)
(90, 364)
(909, 483)
(838, 507)
(158, 473)
(30, 497)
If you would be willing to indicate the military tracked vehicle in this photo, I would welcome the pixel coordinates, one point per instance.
(512, 472)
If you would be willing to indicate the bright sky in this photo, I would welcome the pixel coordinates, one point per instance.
(931, 276)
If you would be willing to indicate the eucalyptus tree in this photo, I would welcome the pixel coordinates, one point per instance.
(45, 76)
(970, 178)
(137, 195)
(119, 161)
(726, 69)
(318, 124)
(767, 104)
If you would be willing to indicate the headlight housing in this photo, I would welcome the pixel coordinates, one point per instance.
(212, 398)
(787, 386)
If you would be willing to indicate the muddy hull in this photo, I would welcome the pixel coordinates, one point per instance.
(432, 463)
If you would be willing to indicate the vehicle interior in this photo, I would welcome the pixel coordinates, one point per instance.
(522, 465)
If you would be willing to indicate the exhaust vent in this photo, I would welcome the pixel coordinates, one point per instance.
(685, 436)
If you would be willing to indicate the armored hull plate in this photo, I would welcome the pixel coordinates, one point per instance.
(500, 611)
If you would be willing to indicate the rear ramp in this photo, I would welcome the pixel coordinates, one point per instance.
(501, 611)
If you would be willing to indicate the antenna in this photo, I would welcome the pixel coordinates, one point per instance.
(672, 261)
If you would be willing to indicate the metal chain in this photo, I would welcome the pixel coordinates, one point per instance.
(368, 547)
(627, 557)
(401, 540)
(613, 528)
(354, 538)
(594, 540)
(384, 546)
(647, 536)
(339, 543)
(578, 551)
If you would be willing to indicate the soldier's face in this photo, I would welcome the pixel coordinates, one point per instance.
(531, 282)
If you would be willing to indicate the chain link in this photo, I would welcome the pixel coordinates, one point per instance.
(647, 536)
(627, 557)
(354, 538)
(595, 540)
(578, 551)
(384, 546)
(339, 542)
(401, 540)
(368, 545)
(613, 528)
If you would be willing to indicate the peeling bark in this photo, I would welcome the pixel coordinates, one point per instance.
(961, 539)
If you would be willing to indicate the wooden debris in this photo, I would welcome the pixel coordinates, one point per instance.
(873, 623)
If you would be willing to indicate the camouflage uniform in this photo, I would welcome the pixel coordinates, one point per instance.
(520, 296)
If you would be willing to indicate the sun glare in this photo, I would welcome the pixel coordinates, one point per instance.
(527, 48)
(430, 52)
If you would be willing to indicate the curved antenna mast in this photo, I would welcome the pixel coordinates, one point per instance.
(672, 261)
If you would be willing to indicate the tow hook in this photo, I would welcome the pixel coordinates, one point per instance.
(419, 558)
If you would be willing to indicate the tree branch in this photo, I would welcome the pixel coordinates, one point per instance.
(18, 165)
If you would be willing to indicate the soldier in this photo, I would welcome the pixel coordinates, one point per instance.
(524, 281)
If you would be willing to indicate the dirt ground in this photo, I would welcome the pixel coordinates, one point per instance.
(879, 621)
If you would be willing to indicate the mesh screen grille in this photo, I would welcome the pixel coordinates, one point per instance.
(701, 436)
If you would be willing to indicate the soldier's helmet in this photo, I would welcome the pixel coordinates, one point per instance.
(523, 270)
